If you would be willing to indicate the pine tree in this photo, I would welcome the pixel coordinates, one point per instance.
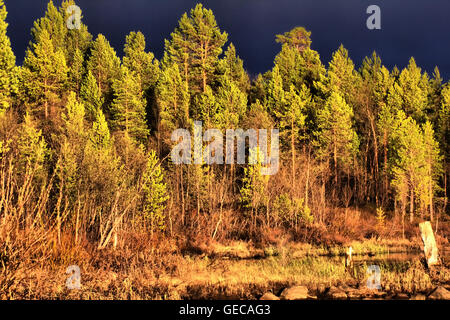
(99, 135)
(205, 108)
(54, 24)
(434, 97)
(341, 76)
(195, 46)
(91, 96)
(298, 38)
(232, 67)
(70, 154)
(102, 173)
(337, 136)
(45, 72)
(253, 193)
(291, 118)
(128, 107)
(72, 43)
(275, 98)
(155, 193)
(231, 105)
(409, 160)
(32, 149)
(410, 92)
(386, 127)
(142, 64)
(371, 97)
(8, 83)
(73, 119)
(104, 65)
(432, 171)
(288, 62)
(76, 71)
(259, 86)
(173, 102)
(298, 63)
(75, 39)
(443, 134)
(64, 39)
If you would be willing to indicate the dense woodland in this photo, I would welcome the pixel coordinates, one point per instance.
(85, 139)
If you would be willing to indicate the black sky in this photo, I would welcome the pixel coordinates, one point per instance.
(418, 28)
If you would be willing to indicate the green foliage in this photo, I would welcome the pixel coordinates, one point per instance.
(95, 112)
(142, 64)
(381, 217)
(337, 136)
(254, 185)
(341, 76)
(99, 135)
(205, 107)
(292, 211)
(291, 115)
(298, 38)
(45, 72)
(77, 70)
(410, 92)
(104, 65)
(231, 105)
(91, 96)
(417, 162)
(128, 107)
(52, 23)
(73, 119)
(195, 46)
(443, 127)
(8, 81)
(172, 99)
(232, 67)
(67, 41)
(299, 67)
(32, 149)
(75, 39)
(102, 172)
(154, 192)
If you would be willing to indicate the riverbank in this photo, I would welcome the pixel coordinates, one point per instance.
(237, 271)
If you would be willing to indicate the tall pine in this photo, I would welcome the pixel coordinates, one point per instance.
(8, 83)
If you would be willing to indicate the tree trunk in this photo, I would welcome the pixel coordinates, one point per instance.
(293, 154)
(431, 200)
(307, 177)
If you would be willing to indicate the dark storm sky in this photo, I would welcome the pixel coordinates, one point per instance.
(418, 28)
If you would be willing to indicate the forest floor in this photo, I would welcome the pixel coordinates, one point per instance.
(237, 271)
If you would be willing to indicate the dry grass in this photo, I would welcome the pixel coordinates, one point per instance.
(162, 273)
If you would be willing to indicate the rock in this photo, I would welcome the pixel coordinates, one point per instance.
(353, 294)
(418, 297)
(336, 293)
(269, 296)
(378, 294)
(440, 293)
(295, 293)
(429, 243)
(372, 294)
(401, 296)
